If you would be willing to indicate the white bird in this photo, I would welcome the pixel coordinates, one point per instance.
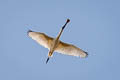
(54, 44)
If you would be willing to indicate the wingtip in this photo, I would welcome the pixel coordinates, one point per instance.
(29, 31)
(86, 54)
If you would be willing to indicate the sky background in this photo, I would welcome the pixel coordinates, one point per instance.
(94, 27)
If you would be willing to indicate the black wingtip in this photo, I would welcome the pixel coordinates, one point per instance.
(86, 54)
(29, 31)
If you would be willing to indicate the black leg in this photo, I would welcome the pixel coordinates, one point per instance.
(47, 60)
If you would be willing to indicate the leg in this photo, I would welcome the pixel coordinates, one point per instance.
(49, 55)
(47, 60)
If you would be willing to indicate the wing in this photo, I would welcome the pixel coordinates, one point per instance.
(69, 49)
(41, 38)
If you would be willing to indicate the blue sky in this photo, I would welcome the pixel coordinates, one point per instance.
(94, 27)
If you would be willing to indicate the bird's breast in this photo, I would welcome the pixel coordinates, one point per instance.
(54, 44)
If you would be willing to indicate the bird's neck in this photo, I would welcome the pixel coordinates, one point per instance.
(59, 34)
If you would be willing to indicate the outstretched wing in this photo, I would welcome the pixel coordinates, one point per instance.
(69, 49)
(41, 38)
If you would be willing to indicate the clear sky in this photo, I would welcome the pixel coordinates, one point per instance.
(94, 27)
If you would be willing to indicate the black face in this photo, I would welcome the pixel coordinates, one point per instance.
(63, 27)
(68, 20)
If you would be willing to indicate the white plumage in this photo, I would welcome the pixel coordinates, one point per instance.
(54, 44)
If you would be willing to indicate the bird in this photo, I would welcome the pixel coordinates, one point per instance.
(56, 45)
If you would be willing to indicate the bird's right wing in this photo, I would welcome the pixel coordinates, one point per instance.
(41, 38)
(69, 49)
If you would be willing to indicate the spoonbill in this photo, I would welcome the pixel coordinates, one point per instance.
(54, 44)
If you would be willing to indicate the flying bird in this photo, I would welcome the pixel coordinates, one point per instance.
(56, 45)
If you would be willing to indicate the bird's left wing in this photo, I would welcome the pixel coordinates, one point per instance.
(69, 49)
(41, 38)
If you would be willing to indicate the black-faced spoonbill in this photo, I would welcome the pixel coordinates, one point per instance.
(54, 44)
